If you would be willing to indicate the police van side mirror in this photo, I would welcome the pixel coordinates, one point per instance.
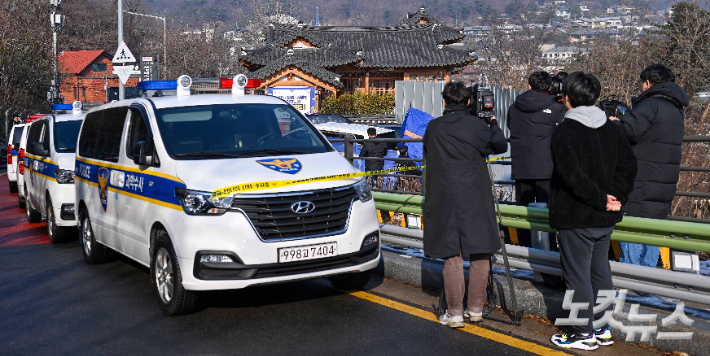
(143, 153)
(38, 149)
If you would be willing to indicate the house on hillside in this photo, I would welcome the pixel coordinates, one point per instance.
(344, 59)
(87, 76)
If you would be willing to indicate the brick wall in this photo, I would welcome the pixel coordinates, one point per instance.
(88, 86)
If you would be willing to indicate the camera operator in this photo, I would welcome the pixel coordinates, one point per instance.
(531, 120)
(459, 212)
(654, 128)
(556, 89)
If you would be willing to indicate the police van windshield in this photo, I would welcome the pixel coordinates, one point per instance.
(236, 130)
(65, 135)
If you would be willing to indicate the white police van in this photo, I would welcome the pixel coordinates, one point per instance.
(21, 189)
(13, 149)
(49, 171)
(146, 170)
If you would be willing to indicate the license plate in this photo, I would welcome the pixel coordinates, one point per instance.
(312, 252)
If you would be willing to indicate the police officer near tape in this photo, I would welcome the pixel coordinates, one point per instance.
(459, 212)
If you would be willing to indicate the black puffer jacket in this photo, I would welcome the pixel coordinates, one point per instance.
(531, 120)
(589, 164)
(655, 129)
(374, 149)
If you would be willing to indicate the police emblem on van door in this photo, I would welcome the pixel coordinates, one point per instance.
(103, 186)
(283, 165)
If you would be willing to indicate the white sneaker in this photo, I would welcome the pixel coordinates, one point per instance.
(575, 341)
(452, 321)
(472, 317)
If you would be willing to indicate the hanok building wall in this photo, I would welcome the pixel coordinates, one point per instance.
(86, 76)
(345, 59)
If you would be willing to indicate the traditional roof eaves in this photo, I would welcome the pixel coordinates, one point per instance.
(413, 18)
(316, 71)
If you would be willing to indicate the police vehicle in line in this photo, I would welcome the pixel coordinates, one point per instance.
(13, 149)
(146, 170)
(49, 170)
(21, 150)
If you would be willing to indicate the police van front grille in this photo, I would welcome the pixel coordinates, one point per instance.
(273, 218)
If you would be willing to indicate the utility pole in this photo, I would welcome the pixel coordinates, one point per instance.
(57, 22)
(165, 37)
(121, 89)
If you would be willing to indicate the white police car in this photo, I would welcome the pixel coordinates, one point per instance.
(49, 170)
(146, 170)
(13, 149)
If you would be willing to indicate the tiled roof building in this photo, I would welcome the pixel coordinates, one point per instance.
(87, 76)
(337, 59)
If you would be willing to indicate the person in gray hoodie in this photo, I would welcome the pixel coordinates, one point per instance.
(593, 175)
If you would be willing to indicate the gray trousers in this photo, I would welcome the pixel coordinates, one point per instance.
(455, 284)
(585, 268)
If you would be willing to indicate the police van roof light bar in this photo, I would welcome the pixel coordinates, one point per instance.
(240, 82)
(157, 85)
(60, 107)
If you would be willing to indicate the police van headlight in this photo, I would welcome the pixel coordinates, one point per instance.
(363, 190)
(64, 176)
(202, 203)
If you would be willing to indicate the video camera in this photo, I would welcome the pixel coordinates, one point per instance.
(612, 106)
(482, 103)
(556, 89)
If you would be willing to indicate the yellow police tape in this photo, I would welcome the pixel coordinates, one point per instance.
(248, 187)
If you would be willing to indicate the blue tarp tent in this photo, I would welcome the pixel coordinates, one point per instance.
(414, 127)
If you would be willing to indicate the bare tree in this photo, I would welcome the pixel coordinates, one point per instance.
(512, 49)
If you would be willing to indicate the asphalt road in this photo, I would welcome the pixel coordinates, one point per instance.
(53, 303)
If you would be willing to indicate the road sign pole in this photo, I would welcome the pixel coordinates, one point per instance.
(121, 89)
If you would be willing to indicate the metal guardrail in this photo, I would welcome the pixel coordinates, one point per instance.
(681, 285)
(680, 235)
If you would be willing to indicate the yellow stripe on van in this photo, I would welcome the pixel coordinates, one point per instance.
(135, 196)
(46, 160)
(129, 169)
(149, 200)
(44, 176)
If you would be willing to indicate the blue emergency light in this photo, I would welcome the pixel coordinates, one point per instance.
(157, 85)
(59, 107)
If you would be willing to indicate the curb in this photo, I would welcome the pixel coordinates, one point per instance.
(545, 302)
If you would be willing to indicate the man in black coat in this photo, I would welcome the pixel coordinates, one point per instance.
(459, 213)
(655, 129)
(531, 120)
(373, 149)
(593, 176)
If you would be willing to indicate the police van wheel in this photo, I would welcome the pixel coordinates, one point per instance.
(13, 187)
(351, 280)
(94, 252)
(56, 234)
(167, 279)
(21, 202)
(33, 216)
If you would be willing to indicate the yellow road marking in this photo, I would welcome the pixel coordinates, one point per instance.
(475, 330)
